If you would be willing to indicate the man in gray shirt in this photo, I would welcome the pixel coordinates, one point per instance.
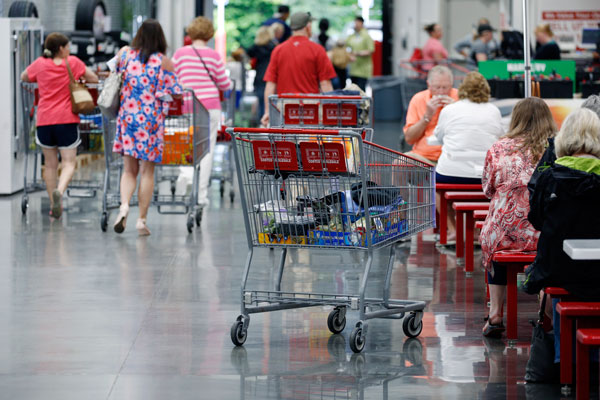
(464, 45)
(480, 50)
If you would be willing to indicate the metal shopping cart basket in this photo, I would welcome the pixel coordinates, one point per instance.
(186, 142)
(223, 168)
(340, 193)
(317, 111)
(90, 132)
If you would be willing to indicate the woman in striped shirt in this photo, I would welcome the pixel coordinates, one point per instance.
(201, 69)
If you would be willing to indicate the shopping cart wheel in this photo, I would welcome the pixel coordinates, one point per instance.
(104, 221)
(409, 328)
(357, 361)
(238, 334)
(198, 216)
(336, 321)
(413, 351)
(231, 195)
(357, 340)
(190, 223)
(336, 346)
(24, 204)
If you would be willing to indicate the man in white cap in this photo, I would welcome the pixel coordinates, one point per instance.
(298, 65)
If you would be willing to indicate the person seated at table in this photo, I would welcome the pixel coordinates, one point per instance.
(468, 127)
(564, 205)
(508, 166)
(423, 112)
(549, 157)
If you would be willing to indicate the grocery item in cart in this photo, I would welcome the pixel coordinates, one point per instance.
(178, 146)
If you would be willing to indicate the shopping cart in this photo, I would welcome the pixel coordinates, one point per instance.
(339, 193)
(318, 111)
(186, 142)
(90, 132)
(223, 168)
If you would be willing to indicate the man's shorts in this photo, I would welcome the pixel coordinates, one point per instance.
(63, 136)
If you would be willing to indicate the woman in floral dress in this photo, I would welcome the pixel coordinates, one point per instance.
(148, 82)
(508, 167)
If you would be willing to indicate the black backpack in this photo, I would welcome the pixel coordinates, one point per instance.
(511, 47)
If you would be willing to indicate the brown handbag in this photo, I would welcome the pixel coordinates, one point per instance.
(81, 99)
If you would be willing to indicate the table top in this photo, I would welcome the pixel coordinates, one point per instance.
(582, 249)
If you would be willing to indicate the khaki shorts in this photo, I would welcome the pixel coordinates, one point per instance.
(420, 157)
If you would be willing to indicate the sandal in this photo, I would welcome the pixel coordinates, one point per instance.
(56, 203)
(119, 226)
(493, 330)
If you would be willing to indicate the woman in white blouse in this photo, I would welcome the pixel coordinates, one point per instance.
(466, 129)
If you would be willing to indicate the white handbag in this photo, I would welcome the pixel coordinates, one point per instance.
(110, 97)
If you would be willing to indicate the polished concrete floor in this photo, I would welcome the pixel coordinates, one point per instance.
(93, 315)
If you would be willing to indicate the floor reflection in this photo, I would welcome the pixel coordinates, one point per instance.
(95, 315)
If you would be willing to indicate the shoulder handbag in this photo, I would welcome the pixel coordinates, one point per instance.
(110, 97)
(540, 367)
(81, 99)
(221, 94)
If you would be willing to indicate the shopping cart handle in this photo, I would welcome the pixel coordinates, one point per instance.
(318, 96)
(289, 131)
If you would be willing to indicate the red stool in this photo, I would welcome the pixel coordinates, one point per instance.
(442, 188)
(573, 313)
(480, 214)
(586, 339)
(464, 242)
(514, 263)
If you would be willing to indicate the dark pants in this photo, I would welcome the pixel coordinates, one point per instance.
(361, 82)
(259, 90)
(342, 76)
(439, 178)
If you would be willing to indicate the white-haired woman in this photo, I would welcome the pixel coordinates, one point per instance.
(564, 205)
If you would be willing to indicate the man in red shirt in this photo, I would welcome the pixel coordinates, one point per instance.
(298, 65)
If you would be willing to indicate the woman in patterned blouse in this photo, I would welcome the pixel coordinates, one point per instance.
(508, 167)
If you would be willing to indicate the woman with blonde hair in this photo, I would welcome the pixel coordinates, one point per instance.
(546, 47)
(201, 69)
(261, 52)
(509, 164)
(277, 31)
(469, 126)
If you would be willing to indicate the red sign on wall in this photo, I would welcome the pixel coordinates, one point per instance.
(339, 114)
(571, 15)
(328, 156)
(268, 155)
(301, 114)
